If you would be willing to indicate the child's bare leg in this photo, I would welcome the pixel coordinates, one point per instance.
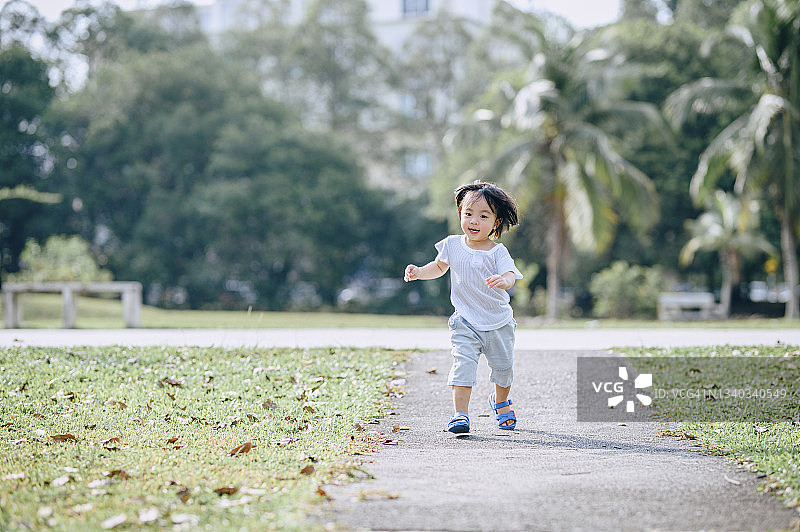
(461, 396)
(500, 396)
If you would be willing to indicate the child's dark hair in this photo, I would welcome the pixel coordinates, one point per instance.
(503, 205)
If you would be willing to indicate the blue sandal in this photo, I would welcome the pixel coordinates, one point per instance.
(503, 418)
(459, 424)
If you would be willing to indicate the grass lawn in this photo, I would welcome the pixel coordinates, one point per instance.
(769, 445)
(100, 438)
(43, 311)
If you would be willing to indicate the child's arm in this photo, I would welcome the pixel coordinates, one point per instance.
(432, 270)
(503, 282)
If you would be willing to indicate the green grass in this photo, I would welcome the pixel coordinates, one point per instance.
(147, 434)
(43, 311)
(769, 443)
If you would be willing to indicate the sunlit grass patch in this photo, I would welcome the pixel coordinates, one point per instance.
(769, 445)
(215, 439)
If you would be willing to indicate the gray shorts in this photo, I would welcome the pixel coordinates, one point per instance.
(468, 344)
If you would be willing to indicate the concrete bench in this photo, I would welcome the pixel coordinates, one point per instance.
(686, 306)
(131, 293)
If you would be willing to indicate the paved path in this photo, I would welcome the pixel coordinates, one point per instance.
(435, 338)
(552, 473)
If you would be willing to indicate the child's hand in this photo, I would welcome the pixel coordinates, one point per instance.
(412, 273)
(498, 281)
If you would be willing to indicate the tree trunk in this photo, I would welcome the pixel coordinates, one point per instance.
(555, 243)
(726, 291)
(790, 272)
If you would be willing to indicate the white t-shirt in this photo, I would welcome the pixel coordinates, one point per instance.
(484, 308)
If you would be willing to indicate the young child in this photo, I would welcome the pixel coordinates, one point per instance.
(480, 273)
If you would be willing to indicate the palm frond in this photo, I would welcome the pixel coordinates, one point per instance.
(704, 96)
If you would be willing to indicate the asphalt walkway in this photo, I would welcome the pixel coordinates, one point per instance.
(550, 474)
(435, 338)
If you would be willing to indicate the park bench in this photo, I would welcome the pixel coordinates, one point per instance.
(686, 306)
(131, 294)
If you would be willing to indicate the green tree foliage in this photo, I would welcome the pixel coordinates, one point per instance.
(25, 93)
(626, 291)
(550, 119)
(729, 227)
(664, 57)
(102, 34)
(192, 182)
(759, 146)
(340, 66)
(62, 258)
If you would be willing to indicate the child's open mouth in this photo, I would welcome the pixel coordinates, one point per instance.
(474, 231)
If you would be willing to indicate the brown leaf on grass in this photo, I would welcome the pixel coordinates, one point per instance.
(110, 440)
(308, 470)
(241, 449)
(226, 490)
(172, 440)
(285, 441)
(121, 473)
(171, 382)
(184, 494)
(309, 409)
(63, 437)
(269, 404)
(322, 493)
(118, 404)
(432, 371)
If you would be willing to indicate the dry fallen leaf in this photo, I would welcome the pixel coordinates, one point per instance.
(115, 521)
(308, 470)
(118, 404)
(322, 493)
(179, 519)
(172, 440)
(183, 494)
(241, 449)
(110, 440)
(148, 516)
(63, 437)
(269, 405)
(121, 473)
(171, 382)
(60, 481)
(432, 371)
(226, 490)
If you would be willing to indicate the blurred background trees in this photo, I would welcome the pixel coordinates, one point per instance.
(259, 167)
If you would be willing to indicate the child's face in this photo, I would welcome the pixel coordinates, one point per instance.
(477, 219)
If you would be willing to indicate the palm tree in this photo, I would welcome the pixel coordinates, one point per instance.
(730, 227)
(549, 118)
(757, 147)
